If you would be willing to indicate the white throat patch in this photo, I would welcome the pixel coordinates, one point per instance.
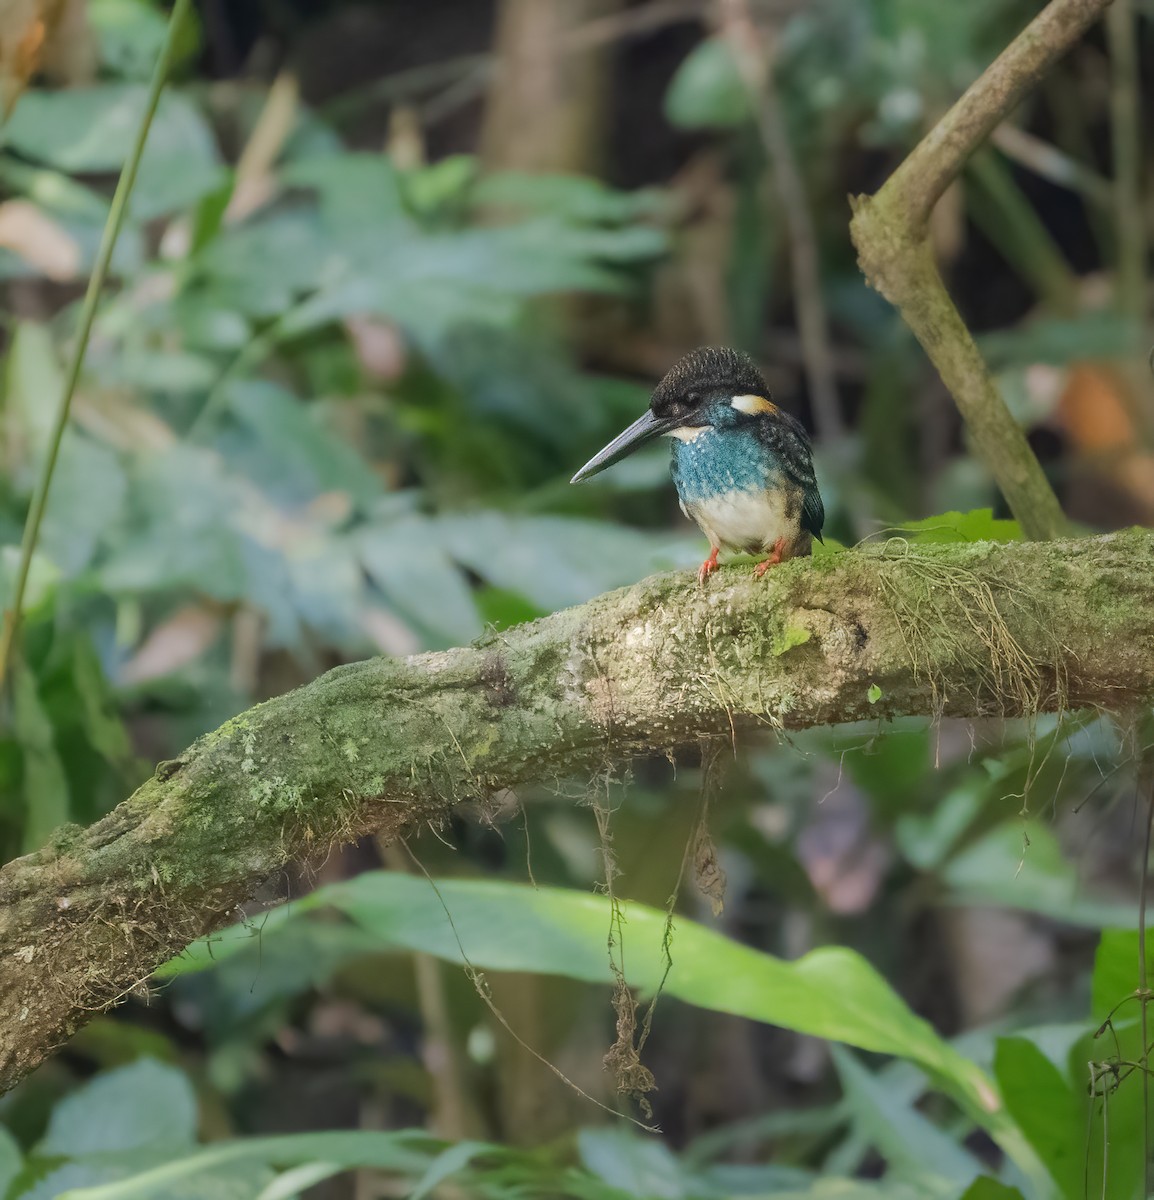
(688, 433)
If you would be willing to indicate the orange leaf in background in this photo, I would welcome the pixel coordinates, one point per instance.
(29, 33)
(1094, 410)
(1096, 414)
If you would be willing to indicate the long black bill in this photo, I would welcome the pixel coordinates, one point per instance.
(643, 430)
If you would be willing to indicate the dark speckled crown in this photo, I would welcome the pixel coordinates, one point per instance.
(706, 372)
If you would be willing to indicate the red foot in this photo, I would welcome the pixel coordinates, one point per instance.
(709, 566)
(772, 560)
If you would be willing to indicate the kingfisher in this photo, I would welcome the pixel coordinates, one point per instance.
(742, 466)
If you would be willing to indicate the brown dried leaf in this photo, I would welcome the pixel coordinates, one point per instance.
(180, 640)
(707, 873)
(622, 1059)
(36, 238)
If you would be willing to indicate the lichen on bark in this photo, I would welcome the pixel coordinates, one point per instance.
(390, 745)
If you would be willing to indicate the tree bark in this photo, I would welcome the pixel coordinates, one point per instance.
(547, 102)
(389, 745)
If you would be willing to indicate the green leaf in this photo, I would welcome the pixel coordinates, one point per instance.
(1036, 876)
(439, 184)
(447, 1164)
(419, 579)
(130, 33)
(327, 588)
(642, 1167)
(258, 267)
(89, 486)
(1100, 335)
(43, 576)
(242, 1182)
(907, 1140)
(976, 526)
(33, 383)
(11, 1160)
(577, 198)
(354, 189)
(502, 608)
(303, 956)
(1042, 1101)
(98, 711)
(144, 1105)
(986, 1188)
(187, 507)
(555, 562)
(89, 491)
(172, 372)
(293, 439)
(90, 129)
(289, 1185)
(707, 90)
(828, 546)
(46, 792)
(832, 993)
(383, 1151)
(874, 693)
(1116, 975)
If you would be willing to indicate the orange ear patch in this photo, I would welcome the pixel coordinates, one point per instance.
(753, 404)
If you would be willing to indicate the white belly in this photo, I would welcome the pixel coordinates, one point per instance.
(750, 521)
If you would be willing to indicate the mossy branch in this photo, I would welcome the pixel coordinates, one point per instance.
(891, 233)
(391, 745)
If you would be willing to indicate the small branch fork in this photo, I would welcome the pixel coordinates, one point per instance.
(891, 233)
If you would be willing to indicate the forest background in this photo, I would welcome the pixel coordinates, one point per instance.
(389, 275)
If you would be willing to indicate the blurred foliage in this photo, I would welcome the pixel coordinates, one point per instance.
(329, 410)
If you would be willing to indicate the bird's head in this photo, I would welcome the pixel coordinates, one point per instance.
(711, 386)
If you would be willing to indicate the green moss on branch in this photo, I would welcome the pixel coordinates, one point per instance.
(388, 745)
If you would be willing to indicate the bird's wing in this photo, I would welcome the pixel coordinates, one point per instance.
(813, 512)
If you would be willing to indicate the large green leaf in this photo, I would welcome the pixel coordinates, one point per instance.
(1043, 1103)
(1116, 975)
(642, 1167)
(144, 1105)
(979, 525)
(419, 579)
(90, 129)
(557, 561)
(186, 507)
(831, 993)
(1002, 868)
(354, 189)
(299, 455)
(89, 491)
(908, 1141)
(1090, 335)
